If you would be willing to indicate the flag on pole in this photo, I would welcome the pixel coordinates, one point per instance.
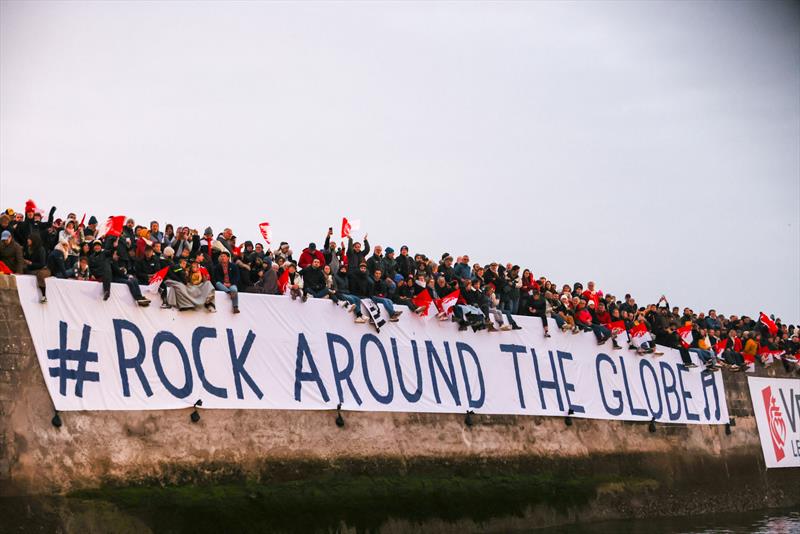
(82, 219)
(113, 226)
(266, 231)
(4, 268)
(349, 226)
(685, 332)
(769, 323)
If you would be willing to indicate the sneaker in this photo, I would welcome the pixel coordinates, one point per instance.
(547, 334)
(350, 308)
(43, 299)
(294, 296)
(359, 320)
(211, 307)
(236, 309)
(143, 302)
(106, 294)
(419, 310)
(397, 314)
(165, 306)
(505, 327)
(734, 368)
(602, 340)
(516, 327)
(576, 330)
(656, 353)
(305, 297)
(462, 327)
(691, 365)
(616, 346)
(491, 328)
(393, 319)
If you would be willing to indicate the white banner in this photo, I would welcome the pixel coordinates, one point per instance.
(279, 353)
(776, 403)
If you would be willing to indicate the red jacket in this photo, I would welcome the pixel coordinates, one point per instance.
(308, 256)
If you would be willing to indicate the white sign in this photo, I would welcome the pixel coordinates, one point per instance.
(776, 403)
(284, 354)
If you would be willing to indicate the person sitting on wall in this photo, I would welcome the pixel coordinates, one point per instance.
(226, 275)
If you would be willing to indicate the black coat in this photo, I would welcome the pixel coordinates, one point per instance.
(313, 279)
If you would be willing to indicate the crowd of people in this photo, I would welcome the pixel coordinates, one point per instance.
(188, 266)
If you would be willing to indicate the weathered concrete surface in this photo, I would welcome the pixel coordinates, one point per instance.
(93, 449)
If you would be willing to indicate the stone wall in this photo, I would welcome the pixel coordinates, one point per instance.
(94, 449)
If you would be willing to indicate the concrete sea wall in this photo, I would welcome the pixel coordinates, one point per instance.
(634, 472)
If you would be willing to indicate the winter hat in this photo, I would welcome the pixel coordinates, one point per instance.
(92, 220)
(30, 206)
(398, 277)
(169, 252)
(208, 231)
(312, 246)
(389, 250)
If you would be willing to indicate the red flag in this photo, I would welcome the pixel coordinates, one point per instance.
(616, 327)
(204, 272)
(423, 300)
(686, 335)
(82, 219)
(237, 251)
(639, 334)
(449, 301)
(344, 254)
(30, 205)
(283, 281)
(720, 346)
(266, 231)
(4, 268)
(113, 226)
(158, 277)
(348, 226)
(769, 323)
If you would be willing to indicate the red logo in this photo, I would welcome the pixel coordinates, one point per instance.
(777, 427)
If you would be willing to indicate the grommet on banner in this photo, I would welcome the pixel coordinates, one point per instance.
(56, 420)
(651, 427)
(468, 419)
(195, 417)
(568, 419)
(339, 418)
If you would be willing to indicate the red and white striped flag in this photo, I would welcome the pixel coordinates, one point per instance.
(768, 356)
(686, 335)
(639, 335)
(113, 226)
(769, 323)
(266, 231)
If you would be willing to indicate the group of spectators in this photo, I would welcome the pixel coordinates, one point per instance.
(194, 264)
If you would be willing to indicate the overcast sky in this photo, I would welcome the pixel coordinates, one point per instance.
(651, 147)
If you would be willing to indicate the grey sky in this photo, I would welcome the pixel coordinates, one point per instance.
(652, 147)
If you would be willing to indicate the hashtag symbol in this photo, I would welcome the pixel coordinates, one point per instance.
(65, 355)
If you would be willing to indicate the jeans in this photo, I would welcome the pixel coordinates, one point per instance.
(510, 305)
(461, 310)
(232, 291)
(498, 317)
(352, 299)
(132, 283)
(386, 304)
(705, 355)
(317, 294)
